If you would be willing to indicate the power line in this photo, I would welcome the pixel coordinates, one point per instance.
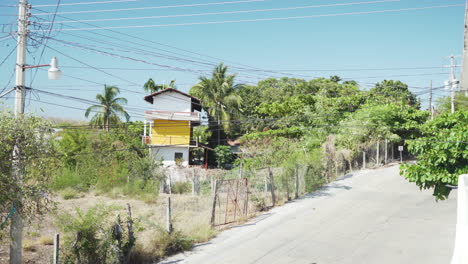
(225, 13)
(46, 40)
(154, 7)
(93, 3)
(258, 19)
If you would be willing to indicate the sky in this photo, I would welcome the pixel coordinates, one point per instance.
(367, 41)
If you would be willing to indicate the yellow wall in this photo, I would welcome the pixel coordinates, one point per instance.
(170, 132)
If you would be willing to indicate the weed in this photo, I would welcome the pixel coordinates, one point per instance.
(69, 193)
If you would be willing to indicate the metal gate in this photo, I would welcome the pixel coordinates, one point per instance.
(232, 201)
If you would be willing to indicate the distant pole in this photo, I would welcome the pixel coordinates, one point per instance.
(452, 83)
(430, 102)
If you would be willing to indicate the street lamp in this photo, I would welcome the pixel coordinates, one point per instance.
(54, 73)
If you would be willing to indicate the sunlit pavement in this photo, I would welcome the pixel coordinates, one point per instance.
(372, 216)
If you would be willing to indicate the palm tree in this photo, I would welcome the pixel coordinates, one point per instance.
(219, 97)
(108, 109)
(151, 86)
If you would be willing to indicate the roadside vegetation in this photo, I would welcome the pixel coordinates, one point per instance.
(293, 136)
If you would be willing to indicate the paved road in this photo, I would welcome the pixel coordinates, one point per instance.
(373, 216)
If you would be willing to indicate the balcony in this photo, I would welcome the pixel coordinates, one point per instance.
(166, 115)
(169, 141)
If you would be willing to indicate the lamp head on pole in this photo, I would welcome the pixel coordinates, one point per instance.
(54, 73)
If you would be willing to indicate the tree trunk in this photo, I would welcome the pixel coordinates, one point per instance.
(107, 122)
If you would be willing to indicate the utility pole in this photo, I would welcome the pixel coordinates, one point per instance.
(430, 102)
(452, 83)
(16, 228)
(464, 72)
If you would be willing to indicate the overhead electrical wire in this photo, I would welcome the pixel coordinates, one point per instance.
(46, 40)
(256, 19)
(153, 7)
(93, 3)
(224, 13)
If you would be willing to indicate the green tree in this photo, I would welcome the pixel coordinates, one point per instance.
(219, 97)
(393, 92)
(335, 78)
(108, 109)
(202, 133)
(442, 154)
(223, 155)
(444, 104)
(25, 194)
(151, 86)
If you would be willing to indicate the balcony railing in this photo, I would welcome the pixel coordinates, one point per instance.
(167, 115)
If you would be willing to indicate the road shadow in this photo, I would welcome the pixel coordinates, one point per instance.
(324, 191)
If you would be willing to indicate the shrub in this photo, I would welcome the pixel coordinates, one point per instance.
(170, 243)
(181, 187)
(92, 237)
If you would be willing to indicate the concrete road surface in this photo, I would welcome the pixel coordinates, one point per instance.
(373, 216)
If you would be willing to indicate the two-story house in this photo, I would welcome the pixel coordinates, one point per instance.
(169, 125)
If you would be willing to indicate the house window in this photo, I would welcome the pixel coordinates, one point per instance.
(178, 156)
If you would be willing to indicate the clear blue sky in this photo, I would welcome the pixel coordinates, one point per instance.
(405, 39)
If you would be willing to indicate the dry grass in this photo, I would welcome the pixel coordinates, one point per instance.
(29, 246)
(46, 241)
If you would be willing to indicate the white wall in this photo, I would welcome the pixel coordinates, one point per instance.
(173, 102)
(167, 155)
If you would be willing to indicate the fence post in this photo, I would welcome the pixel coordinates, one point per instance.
(213, 205)
(169, 216)
(131, 234)
(377, 160)
(386, 151)
(363, 160)
(296, 189)
(56, 248)
(240, 171)
(272, 186)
